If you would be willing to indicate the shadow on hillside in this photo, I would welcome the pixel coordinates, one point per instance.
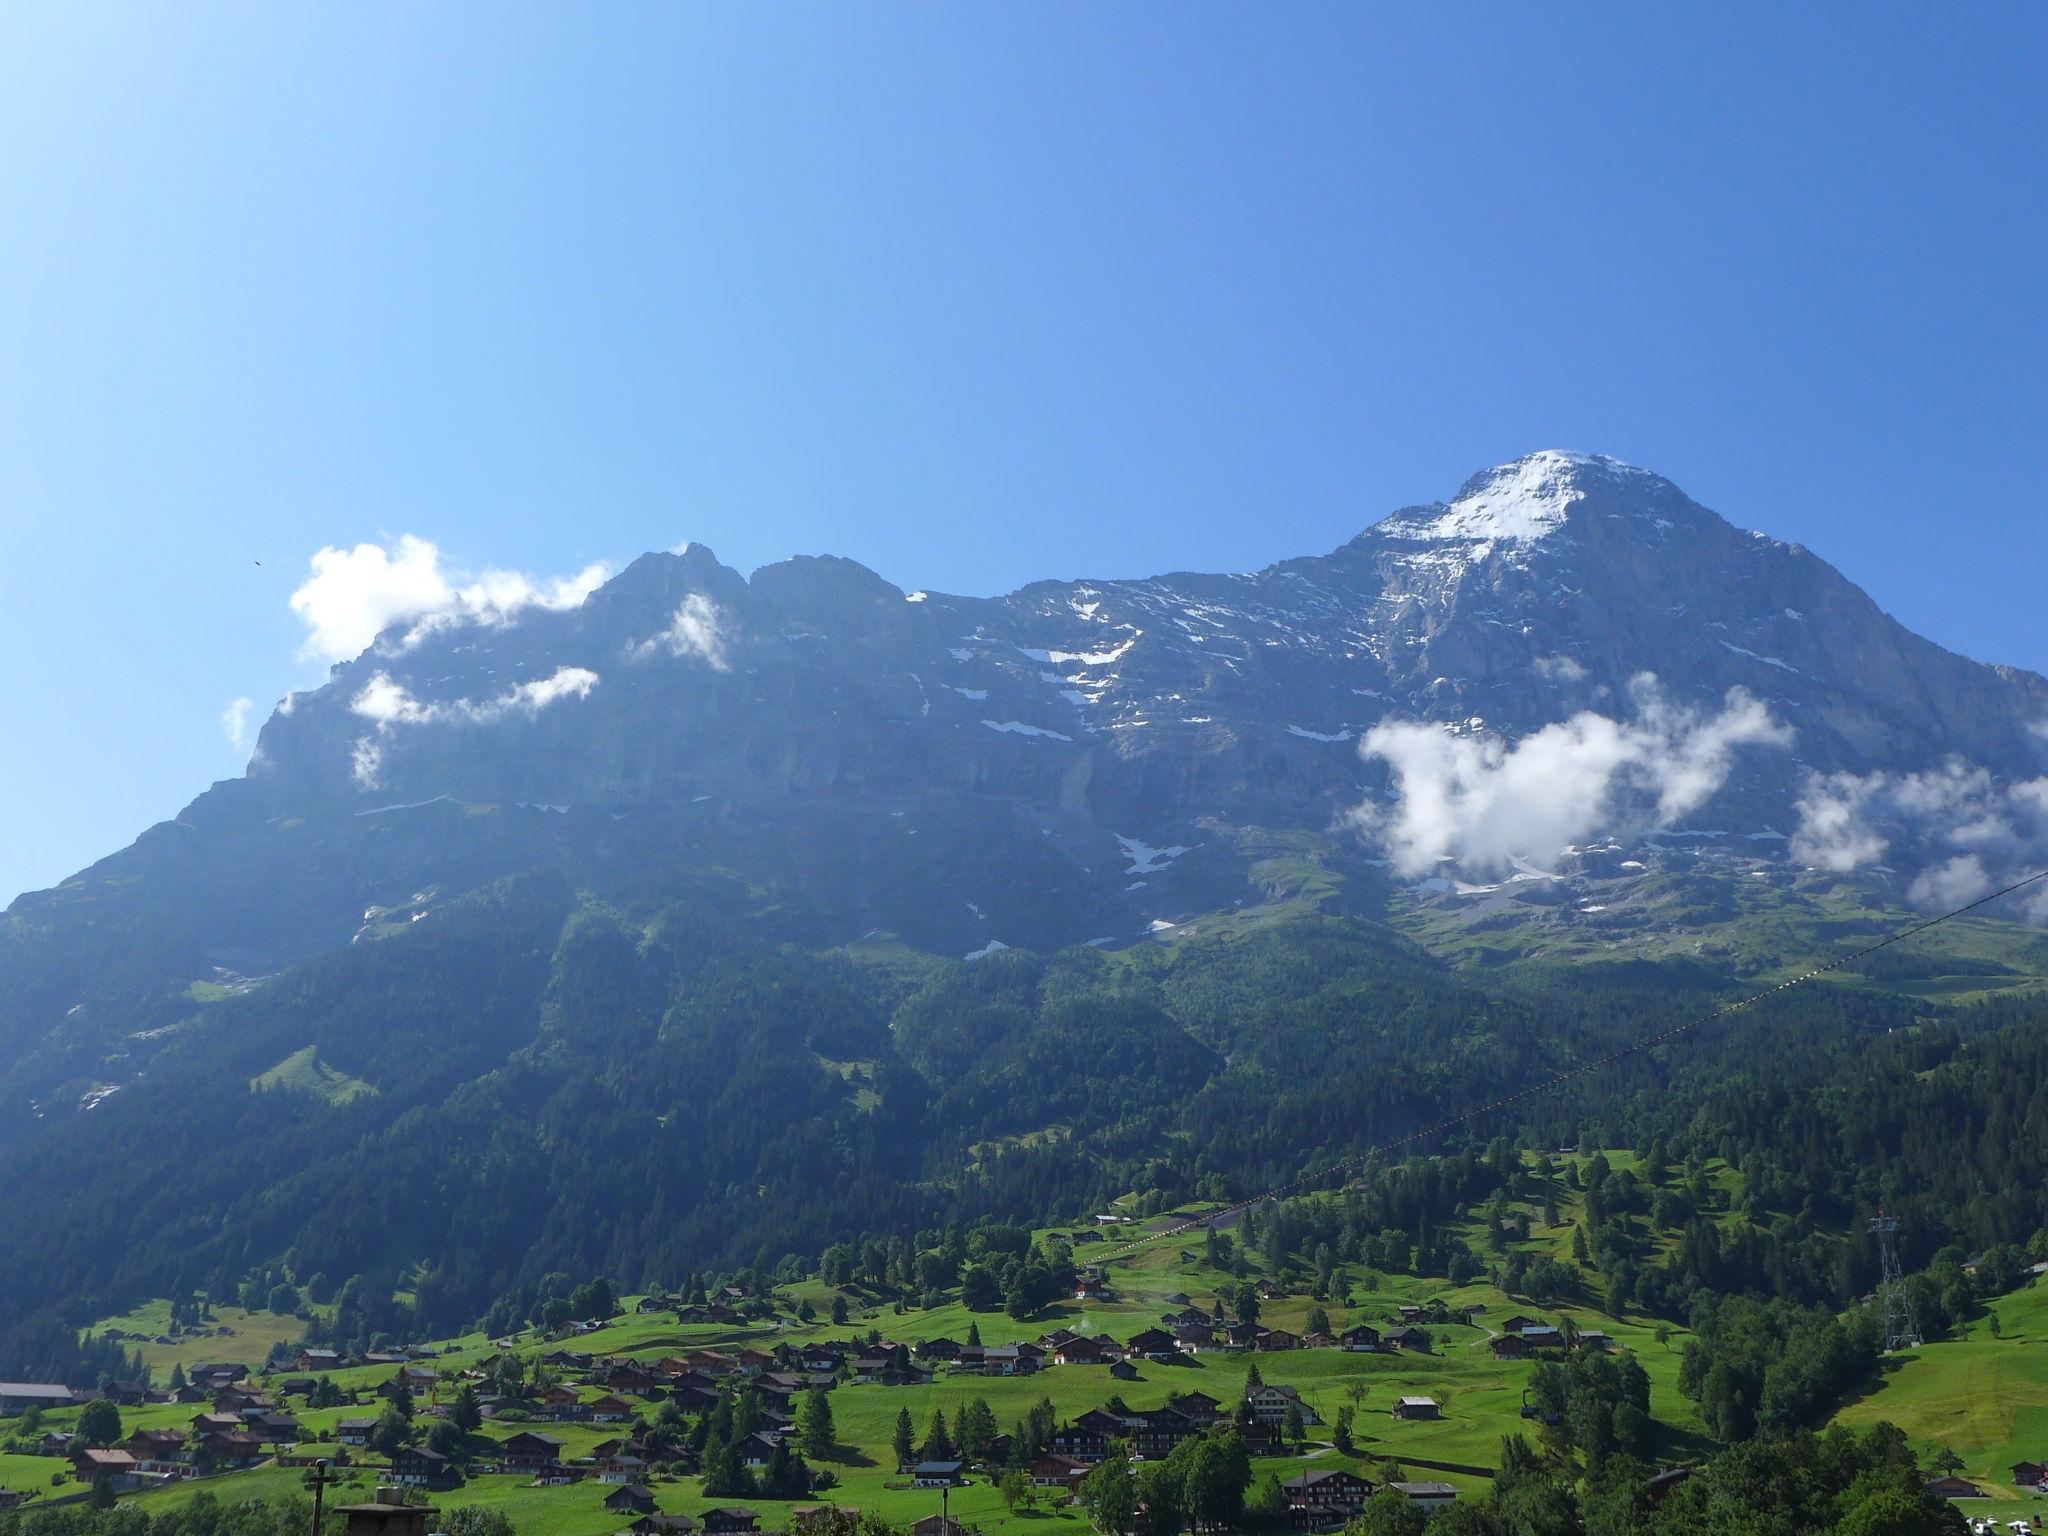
(1878, 1381)
(849, 1456)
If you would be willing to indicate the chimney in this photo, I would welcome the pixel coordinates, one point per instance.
(390, 1493)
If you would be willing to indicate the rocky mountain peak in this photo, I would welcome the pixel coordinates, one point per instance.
(1530, 499)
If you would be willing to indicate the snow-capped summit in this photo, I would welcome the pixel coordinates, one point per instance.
(1517, 502)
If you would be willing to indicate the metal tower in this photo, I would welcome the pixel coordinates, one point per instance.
(1900, 1331)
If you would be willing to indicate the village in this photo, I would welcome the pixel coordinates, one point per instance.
(736, 1409)
(555, 1410)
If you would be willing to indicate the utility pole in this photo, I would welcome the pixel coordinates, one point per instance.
(319, 1480)
(1900, 1331)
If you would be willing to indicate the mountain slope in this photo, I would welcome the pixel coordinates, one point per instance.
(681, 916)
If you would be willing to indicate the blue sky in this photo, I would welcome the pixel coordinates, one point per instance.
(974, 294)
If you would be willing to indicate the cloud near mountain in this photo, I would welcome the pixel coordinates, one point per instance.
(1480, 801)
(354, 595)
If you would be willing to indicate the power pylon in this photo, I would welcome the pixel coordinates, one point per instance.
(1900, 1331)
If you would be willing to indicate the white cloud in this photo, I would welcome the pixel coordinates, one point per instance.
(1961, 879)
(366, 761)
(390, 703)
(354, 595)
(698, 629)
(1561, 669)
(1833, 832)
(234, 723)
(1483, 802)
(1961, 831)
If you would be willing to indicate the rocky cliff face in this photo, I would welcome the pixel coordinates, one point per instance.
(1077, 761)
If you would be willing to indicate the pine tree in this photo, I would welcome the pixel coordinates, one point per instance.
(905, 1441)
(815, 1421)
(938, 1445)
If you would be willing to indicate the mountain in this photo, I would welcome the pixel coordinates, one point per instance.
(499, 858)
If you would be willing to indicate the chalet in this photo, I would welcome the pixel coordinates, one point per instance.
(1658, 1486)
(1542, 1336)
(1429, 1497)
(275, 1428)
(1058, 1472)
(934, 1349)
(1271, 1290)
(1153, 1344)
(1198, 1406)
(630, 1499)
(1407, 1338)
(1123, 1370)
(938, 1474)
(1417, 1408)
(1090, 1288)
(1269, 1405)
(354, 1431)
(1193, 1338)
(215, 1374)
(2029, 1474)
(422, 1467)
(1178, 1299)
(1595, 1341)
(731, 1518)
(297, 1386)
(216, 1423)
(386, 1515)
(610, 1410)
(17, 1396)
(319, 1360)
(528, 1449)
(234, 1449)
(1326, 1499)
(632, 1378)
(663, 1525)
(1512, 1346)
(1953, 1487)
(1518, 1322)
(54, 1442)
(1319, 1341)
(1263, 1439)
(1078, 1351)
(1088, 1437)
(756, 1449)
(156, 1444)
(1239, 1337)
(1157, 1431)
(92, 1465)
(622, 1467)
(754, 1361)
(941, 1525)
(1278, 1339)
(1007, 1360)
(129, 1394)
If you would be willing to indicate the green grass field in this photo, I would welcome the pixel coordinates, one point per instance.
(248, 1339)
(1982, 1397)
(304, 1072)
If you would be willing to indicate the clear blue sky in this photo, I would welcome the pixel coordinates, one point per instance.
(975, 294)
